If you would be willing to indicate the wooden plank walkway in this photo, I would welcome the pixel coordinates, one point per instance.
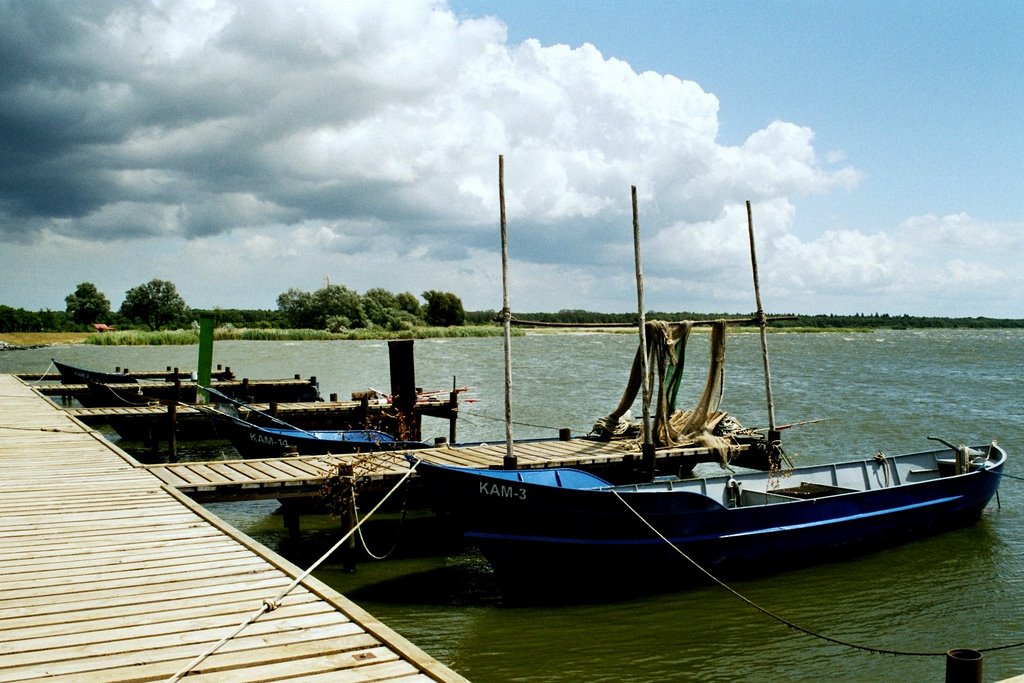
(107, 574)
(298, 476)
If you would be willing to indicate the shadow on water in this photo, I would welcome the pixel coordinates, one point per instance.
(464, 580)
(467, 580)
(462, 577)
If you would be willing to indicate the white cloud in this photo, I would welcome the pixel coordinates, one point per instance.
(281, 143)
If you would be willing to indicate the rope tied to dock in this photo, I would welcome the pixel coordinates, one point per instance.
(782, 620)
(46, 375)
(271, 604)
(53, 430)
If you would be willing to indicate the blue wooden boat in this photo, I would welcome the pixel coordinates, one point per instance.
(256, 441)
(573, 527)
(70, 374)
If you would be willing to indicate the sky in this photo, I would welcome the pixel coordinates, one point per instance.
(242, 148)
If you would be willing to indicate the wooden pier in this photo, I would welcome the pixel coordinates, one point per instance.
(264, 390)
(306, 414)
(303, 476)
(109, 574)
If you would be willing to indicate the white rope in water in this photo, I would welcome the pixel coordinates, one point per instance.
(270, 604)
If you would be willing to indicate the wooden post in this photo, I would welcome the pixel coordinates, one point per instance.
(205, 363)
(172, 420)
(509, 461)
(291, 520)
(403, 388)
(172, 437)
(773, 433)
(964, 666)
(453, 413)
(348, 522)
(364, 409)
(648, 445)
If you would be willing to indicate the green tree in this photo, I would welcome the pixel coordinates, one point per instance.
(333, 307)
(408, 302)
(338, 307)
(87, 305)
(22, 320)
(444, 309)
(380, 306)
(297, 307)
(156, 303)
(392, 311)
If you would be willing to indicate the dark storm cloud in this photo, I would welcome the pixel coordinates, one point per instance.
(257, 131)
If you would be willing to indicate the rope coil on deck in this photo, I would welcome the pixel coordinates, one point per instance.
(783, 620)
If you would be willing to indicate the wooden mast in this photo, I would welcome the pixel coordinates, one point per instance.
(648, 445)
(509, 460)
(773, 434)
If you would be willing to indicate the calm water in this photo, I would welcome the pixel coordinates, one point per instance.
(880, 391)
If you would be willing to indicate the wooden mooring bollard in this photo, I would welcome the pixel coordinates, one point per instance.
(964, 666)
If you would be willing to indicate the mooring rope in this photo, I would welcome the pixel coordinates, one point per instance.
(783, 620)
(270, 604)
(54, 430)
(362, 538)
(45, 374)
(369, 462)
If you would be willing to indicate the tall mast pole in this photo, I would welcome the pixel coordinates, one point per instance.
(762, 324)
(648, 446)
(509, 461)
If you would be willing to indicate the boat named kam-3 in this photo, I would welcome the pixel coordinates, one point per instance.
(667, 527)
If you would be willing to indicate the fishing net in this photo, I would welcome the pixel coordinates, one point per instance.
(666, 347)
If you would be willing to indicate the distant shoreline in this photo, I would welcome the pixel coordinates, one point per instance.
(10, 341)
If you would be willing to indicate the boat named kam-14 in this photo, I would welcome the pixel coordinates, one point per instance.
(262, 441)
(256, 441)
(70, 374)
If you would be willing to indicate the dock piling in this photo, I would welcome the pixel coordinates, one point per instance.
(964, 666)
(403, 388)
(291, 521)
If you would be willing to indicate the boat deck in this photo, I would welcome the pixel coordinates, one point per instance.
(107, 574)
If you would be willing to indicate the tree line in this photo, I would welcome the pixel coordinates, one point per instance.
(821, 321)
(156, 305)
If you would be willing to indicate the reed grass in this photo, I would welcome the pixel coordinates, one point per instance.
(143, 338)
(186, 337)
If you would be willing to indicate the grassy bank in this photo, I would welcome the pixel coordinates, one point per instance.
(43, 338)
(184, 337)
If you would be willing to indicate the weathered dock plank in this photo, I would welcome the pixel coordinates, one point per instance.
(108, 574)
